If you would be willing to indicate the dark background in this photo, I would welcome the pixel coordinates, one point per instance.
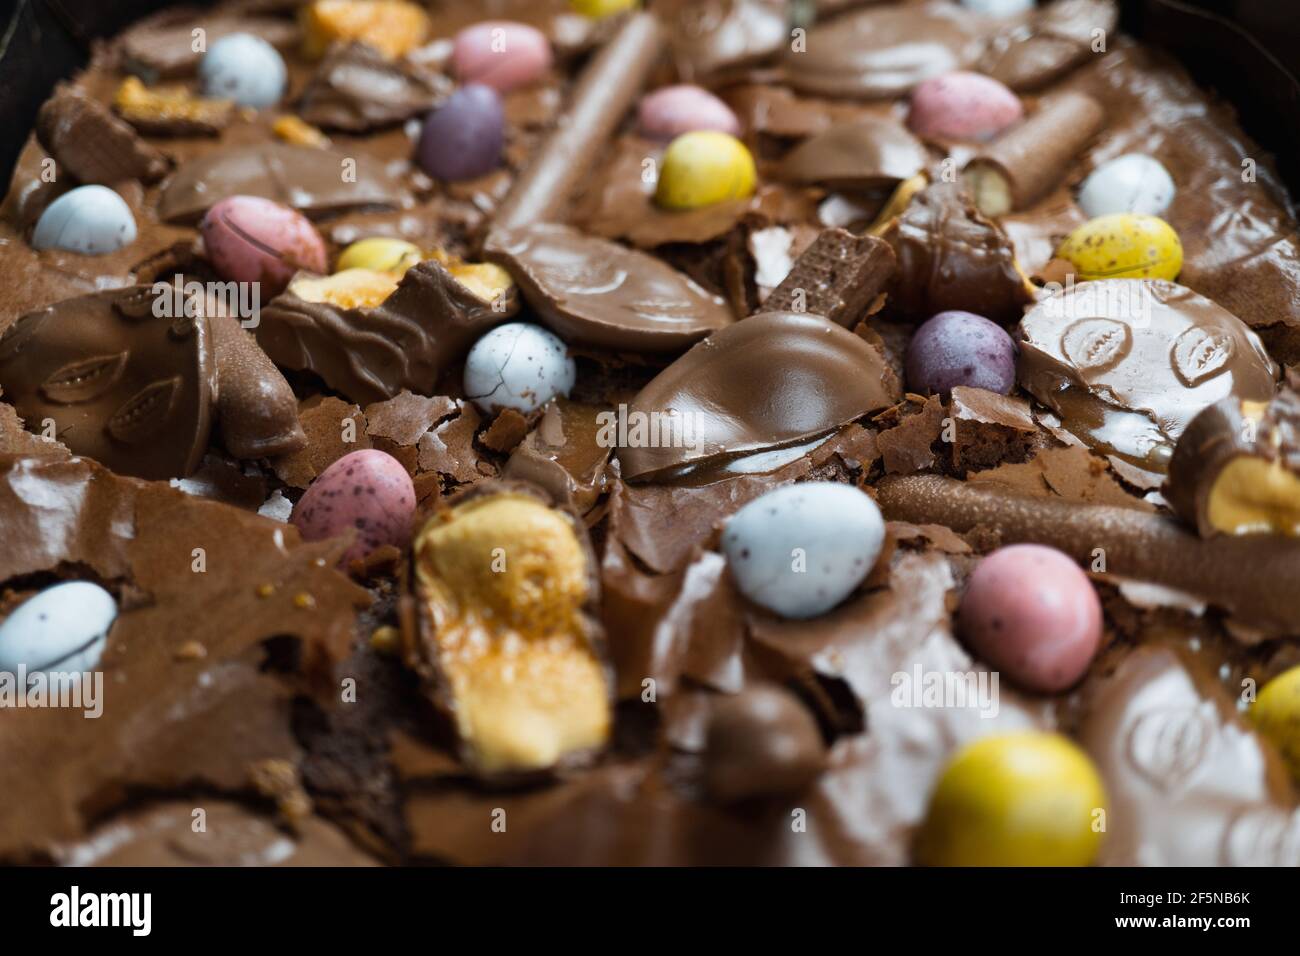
(42, 41)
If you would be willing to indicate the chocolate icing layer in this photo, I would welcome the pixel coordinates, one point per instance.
(357, 89)
(597, 293)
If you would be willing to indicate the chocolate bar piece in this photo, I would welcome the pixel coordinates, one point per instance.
(257, 408)
(1026, 163)
(356, 89)
(91, 144)
(840, 276)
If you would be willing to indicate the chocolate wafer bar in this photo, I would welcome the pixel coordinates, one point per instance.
(839, 276)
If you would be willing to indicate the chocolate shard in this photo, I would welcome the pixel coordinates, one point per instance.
(839, 276)
(598, 293)
(123, 381)
(356, 89)
(1127, 363)
(1058, 37)
(990, 429)
(951, 257)
(370, 353)
(708, 38)
(1026, 163)
(93, 145)
(565, 455)
(170, 111)
(316, 182)
(1236, 469)
(775, 379)
(163, 47)
(872, 153)
(1251, 577)
(256, 407)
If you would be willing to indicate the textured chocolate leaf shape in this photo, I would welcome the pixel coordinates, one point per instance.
(145, 412)
(19, 334)
(1199, 354)
(1166, 746)
(1094, 345)
(84, 380)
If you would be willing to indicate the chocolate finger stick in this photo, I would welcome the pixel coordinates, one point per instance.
(604, 93)
(1253, 577)
(1026, 163)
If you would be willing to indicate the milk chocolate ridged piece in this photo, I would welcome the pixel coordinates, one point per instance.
(91, 144)
(1058, 37)
(1252, 577)
(1127, 363)
(370, 353)
(874, 152)
(601, 97)
(1236, 469)
(256, 407)
(126, 387)
(770, 380)
(311, 180)
(356, 89)
(508, 594)
(1188, 783)
(598, 293)
(1026, 163)
(839, 276)
(883, 52)
(951, 257)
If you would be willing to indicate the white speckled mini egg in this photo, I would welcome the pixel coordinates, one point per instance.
(243, 68)
(998, 8)
(519, 366)
(91, 220)
(63, 628)
(1133, 183)
(800, 550)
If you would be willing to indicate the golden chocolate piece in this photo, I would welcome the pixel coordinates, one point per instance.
(392, 27)
(349, 289)
(294, 129)
(170, 110)
(486, 280)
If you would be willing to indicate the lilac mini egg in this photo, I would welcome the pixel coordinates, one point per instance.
(963, 106)
(668, 112)
(960, 348)
(501, 54)
(250, 239)
(368, 490)
(463, 138)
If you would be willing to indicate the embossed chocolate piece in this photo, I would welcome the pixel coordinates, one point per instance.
(357, 89)
(257, 409)
(598, 293)
(316, 182)
(770, 380)
(1127, 363)
(127, 387)
(840, 276)
(93, 145)
(871, 153)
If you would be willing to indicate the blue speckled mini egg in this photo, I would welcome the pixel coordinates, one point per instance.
(519, 366)
(63, 628)
(91, 220)
(243, 68)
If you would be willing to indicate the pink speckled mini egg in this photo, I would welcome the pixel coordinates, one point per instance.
(668, 112)
(500, 54)
(250, 239)
(1030, 612)
(368, 490)
(963, 105)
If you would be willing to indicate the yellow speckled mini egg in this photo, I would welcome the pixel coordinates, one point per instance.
(601, 8)
(1276, 715)
(1124, 245)
(1018, 799)
(705, 167)
(379, 254)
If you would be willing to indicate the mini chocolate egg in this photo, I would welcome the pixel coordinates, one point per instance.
(501, 54)
(379, 254)
(963, 105)
(998, 8)
(759, 742)
(1019, 799)
(1124, 245)
(1032, 613)
(1276, 715)
(602, 8)
(91, 220)
(800, 550)
(63, 628)
(1133, 182)
(368, 490)
(463, 138)
(703, 168)
(250, 239)
(519, 366)
(673, 110)
(243, 68)
(960, 348)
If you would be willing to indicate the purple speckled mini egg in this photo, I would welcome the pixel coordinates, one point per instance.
(250, 239)
(960, 348)
(368, 490)
(463, 138)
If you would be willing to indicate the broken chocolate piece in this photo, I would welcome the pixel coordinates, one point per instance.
(1027, 162)
(775, 379)
(990, 429)
(170, 111)
(92, 144)
(597, 293)
(124, 382)
(317, 182)
(1236, 469)
(357, 89)
(761, 741)
(871, 153)
(706, 38)
(839, 276)
(163, 47)
(1127, 363)
(1058, 37)
(256, 407)
(565, 454)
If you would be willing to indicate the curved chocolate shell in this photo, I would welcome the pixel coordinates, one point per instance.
(316, 182)
(123, 382)
(598, 293)
(872, 153)
(770, 380)
(257, 409)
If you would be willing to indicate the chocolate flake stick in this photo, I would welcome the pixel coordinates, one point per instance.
(604, 93)
(1251, 576)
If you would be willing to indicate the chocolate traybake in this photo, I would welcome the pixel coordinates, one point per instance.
(599, 432)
